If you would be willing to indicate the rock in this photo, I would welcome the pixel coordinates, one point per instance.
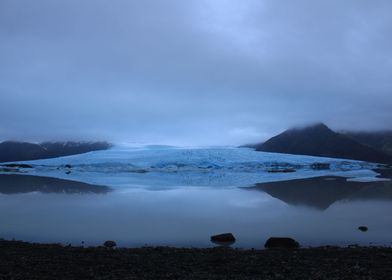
(109, 244)
(363, 228)
(281, 242)
(286, 170)
(223, 239)
(320, 166)
(18, 165)
(138, 171)
(8, 169)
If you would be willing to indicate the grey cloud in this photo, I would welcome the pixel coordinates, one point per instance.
(191, 72)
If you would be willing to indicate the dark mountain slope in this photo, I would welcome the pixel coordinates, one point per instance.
(14, 151)
(381, 140)
(319, 140)
(18, 151)
(57, 149)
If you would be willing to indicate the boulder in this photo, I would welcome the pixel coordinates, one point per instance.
(281, 242)
(363, 228)
(224, 238)
(109, 244)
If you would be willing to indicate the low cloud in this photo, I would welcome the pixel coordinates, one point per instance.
(191, 72)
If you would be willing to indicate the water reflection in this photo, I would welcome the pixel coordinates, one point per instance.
(322, 192)
(41, 209)
(15, 184)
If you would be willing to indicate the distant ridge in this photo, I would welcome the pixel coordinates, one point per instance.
(380, 140)
(19, 151)
(320, 140)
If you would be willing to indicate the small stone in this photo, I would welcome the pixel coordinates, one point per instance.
(363, 228)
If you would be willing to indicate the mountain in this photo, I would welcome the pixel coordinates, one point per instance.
(58, 149)
(17, 151)
(319, 140)
(380, 140)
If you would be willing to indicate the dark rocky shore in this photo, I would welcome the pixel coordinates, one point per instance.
(20, 260)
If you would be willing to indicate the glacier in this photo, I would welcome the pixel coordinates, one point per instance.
(159, 167)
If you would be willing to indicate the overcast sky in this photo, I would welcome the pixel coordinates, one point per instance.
(194, 71)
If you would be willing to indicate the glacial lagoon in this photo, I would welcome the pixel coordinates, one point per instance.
(176, 196)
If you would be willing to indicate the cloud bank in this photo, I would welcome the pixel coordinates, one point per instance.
(191, 72)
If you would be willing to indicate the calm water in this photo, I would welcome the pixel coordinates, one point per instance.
(313, 211)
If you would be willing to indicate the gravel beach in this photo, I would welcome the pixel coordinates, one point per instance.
(21, 260)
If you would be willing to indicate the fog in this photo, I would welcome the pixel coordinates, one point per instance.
(192, 72)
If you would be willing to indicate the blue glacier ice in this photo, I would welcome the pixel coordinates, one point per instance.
(159, 167)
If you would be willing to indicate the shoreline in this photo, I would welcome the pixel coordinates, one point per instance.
(23, 260)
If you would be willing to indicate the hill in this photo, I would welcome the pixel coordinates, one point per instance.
(380, 140)
(319, 140)
(18, 151)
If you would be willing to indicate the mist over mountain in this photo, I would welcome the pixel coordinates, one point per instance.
(320, 140)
